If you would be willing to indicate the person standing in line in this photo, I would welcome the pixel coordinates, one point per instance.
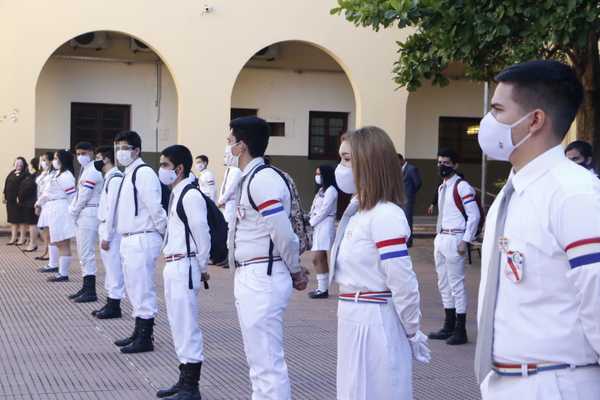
(50, 252)
(322, 219)
(379, 303)
(227, 200)
(84, 210)
(265, 251)
(580, 152)
(206, 179)
(110, 241)
(13, 211)
(412, 184)
(185, 268)
(55, 201)
(141, 221)
(457, 223)
(27, 197)
(539, 295)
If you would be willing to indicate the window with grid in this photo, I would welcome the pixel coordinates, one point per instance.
(460, 135)
(98, 123)
(325, 129)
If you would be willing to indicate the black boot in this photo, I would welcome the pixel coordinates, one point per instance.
(189, 389)
(448, 328)
(173, 389)
(144, 340)
(460, 332)
(128, 340)
(89, 290)
(79, 292)
(112, 309)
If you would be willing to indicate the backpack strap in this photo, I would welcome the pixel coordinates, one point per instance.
(186, 226)
(115, 175)
(133, 176)
(458, 200)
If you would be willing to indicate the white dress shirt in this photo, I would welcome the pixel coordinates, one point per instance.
(324, 205)
(231, 181)
(151, 216)
(254, 229)
(89, 188)
(373, 257)
(108, 203)
(60, 187)
(194, 206)
(553, 219)
(207, 183)
(452, 218)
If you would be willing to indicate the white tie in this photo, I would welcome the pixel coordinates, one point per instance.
(441, 201)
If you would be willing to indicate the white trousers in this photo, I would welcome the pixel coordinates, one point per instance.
(564, 384)
(139, 254)
(183, 309)
(261, 300)
(374, 356)
(114, 282)
(87, 238)
(450, 268)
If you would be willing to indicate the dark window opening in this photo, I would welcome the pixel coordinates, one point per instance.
(277, 128)
(98, 123)
(243, 112)
(325, 129)
(460, 135)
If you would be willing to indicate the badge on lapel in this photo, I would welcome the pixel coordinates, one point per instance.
(514, 266)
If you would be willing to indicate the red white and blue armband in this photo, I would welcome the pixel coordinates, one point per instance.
(270, 207)
(470, 198)
(88, 184)
(392, 248)
(70, 190)
(584, 252)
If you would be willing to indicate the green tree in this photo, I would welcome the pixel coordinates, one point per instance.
(488, 35)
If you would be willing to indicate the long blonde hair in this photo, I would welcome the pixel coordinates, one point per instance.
(376, 168)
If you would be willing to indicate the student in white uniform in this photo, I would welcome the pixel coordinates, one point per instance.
(539, 297)
(110, 240)
(263, 282)
(84, 210)
(55, 200)
(206, 179)
(580, 152)
(141, 221)
(185, 268)
(43, 181)
(457, 223)
(322, 219)
(227, 200)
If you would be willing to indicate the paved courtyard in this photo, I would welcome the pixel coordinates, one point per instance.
(51, 348)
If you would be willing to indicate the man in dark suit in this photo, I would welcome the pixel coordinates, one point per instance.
(412, 184)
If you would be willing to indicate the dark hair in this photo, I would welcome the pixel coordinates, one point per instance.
(35, 164)
(583, 147)
(451, 154)
(25, 169)
(107, 152)
(130, 137)
(179, 155)
(327, 176)
(254, 132)
(66, 161)
(549, 85)
(84, 146)
(203, 158)
(400, 157)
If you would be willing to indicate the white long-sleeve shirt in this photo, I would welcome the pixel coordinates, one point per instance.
(373, 256)
(194, 206)
(231, 181)
(60, 187)
(151, 216)
(108, 203)
(254, 229)
(324, 205)
(451, 217)
(89, 188)
(207, 184)
(553, 220)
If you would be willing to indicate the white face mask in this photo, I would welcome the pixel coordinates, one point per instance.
(124, 157)
(318, 179)
(167, 176)
(84, 159)
(495, 138)
(230, 159)
(345, 179)
(200, 167)
(44, 165)
(56, 164)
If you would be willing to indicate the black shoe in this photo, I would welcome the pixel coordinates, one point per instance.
(58, 278)
(112, 309)
(166, 392)
(448, 328)
(317, 294)
(459, 336)
(95, 312)
(128, 340)
(89, 290)
(189, 389)
(77, 294)
(144, 341)
(48, 268)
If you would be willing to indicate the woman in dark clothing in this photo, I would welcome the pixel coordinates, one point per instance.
(13, 210)
(27, 197)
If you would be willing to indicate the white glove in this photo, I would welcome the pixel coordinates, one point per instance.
(418, 344)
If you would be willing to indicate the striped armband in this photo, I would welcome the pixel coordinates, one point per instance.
(392, 248)
(88, 184)
(70, 190)
(270, 207)
(584, 252)
(468, 199)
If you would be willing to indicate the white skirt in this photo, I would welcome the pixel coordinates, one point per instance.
(59, 220)
(323, 235)
(43, 218)
(374, 355)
